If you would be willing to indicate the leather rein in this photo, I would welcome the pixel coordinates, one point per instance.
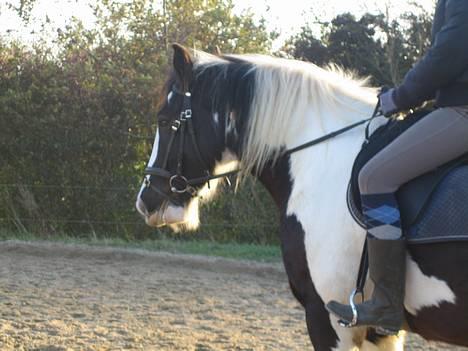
(179, 184)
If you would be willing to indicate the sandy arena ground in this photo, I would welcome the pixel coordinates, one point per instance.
(62, 297)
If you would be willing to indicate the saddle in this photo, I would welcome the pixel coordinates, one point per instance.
(426, 201)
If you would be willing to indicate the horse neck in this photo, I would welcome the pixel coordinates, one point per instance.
(310, 187)
(317, 177)
(277, 181)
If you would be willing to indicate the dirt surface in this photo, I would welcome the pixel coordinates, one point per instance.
(62, 297)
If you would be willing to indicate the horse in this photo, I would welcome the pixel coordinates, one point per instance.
(227, 113)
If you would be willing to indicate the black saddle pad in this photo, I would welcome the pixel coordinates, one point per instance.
(383, 136)
(416, 196)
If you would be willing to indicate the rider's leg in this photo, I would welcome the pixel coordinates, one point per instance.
(438, 138)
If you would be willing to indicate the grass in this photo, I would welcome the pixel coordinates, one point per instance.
(253, 252)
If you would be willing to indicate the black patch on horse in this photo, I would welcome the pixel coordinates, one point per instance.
(278, 182)
(229, 86)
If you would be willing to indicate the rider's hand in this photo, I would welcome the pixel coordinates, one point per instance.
(387, 103)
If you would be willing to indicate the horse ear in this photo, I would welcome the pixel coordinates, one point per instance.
(218, 51)
(183, 65)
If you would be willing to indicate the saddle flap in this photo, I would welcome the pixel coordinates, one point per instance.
(414, 195)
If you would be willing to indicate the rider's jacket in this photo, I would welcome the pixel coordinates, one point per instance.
(443, 72)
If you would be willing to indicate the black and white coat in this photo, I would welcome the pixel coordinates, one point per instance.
(247, 110)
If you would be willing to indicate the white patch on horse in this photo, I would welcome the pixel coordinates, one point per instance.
(216, 118)
(333, 241)
(318, 103)
(191, 216)
(295, 102)
(348, 341)
(229, 162)
(139, 202)
(169, 97)
(356, 340)
(291, 95)
(423, 291)
(231, 125)
(154, 153)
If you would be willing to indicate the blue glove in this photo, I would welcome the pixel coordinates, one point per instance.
(387, 103)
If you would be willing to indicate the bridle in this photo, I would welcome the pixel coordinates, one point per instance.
(179, 184)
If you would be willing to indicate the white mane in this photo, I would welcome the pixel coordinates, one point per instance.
(295, 102)
(286, 92)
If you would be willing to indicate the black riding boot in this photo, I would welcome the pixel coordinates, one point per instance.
(384, 310)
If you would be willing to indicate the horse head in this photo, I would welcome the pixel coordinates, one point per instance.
(194, 142)
(222, 110)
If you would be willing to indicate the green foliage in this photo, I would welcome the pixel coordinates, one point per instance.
(252, 212)
(77, 120)
(351, 44)
(73, 123)
(23, 8)
(305, 46)
(371, 46)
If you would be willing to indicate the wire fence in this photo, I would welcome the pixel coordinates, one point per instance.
(110, 210)
(80, 187)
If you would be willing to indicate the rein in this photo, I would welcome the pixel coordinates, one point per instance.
(327, 136)
(180, 184)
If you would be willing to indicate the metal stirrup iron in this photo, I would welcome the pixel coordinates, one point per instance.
(354, 321)
(359, 290)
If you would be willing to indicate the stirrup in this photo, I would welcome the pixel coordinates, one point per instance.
(354, 321)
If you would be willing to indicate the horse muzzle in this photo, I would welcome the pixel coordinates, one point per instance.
(166, 215)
